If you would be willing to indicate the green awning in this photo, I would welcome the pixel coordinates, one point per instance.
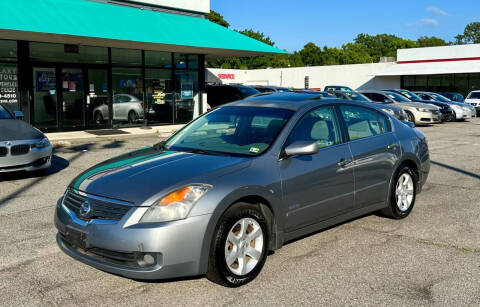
(95, 23)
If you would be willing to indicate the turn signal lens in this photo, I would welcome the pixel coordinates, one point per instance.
(176, 205)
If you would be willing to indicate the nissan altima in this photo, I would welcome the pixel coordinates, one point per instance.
(238, 182)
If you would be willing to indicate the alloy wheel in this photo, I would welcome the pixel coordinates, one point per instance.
(404, 192)
(244, 246)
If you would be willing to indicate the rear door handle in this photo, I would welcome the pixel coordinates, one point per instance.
(392, 146)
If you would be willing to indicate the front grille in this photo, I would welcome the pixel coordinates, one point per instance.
(99, 210)
(18, 150)
(3, 151)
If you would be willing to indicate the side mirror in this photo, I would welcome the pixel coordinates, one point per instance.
(18, 114)
(410, 124)
(301, 148)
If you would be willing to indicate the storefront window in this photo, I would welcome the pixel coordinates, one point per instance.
(187, 98)
(180, 61)
(127, 97)
(44, 97)
(474, 82)
(129, 57)
(8, 50)
(46, 52)
(9, 86)
(160, 98)
(408, 81)
(461, 84)
(158, 59)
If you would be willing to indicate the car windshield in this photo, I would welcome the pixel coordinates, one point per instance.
(440, 98)
(474, 95)
(356, 96)
(237, 131)
(410, 95)
(248, 91)
(397, 97)
(4, 114)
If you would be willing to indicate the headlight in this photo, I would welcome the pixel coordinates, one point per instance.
(422, 110)
(389, 111)
(176, 205)
(456, 107)
(42, 144)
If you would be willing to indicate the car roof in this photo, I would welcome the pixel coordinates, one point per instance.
(285, 100)
(373, 91)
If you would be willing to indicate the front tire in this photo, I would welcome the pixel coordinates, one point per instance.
(402, 194)
(239, 248)
(410, 117)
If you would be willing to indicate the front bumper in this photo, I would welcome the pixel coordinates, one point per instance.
(429, 117)
(176, 246)
(34, 160)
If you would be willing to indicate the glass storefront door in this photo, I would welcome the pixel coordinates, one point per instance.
(44, 97)
(97, 99)
(73, 95)
(187, 98)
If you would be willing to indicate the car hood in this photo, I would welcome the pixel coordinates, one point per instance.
(417, 105)
(14, 129)
(139, 175)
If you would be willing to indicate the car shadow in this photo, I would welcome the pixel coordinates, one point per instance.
(58, 164)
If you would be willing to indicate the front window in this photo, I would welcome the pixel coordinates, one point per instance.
(4, 114)
(440, 98)
(357, 96)
(238, 131)
(247, 91)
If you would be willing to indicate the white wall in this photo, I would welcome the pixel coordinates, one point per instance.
(202, 6)
(439, 53)
(358, 76)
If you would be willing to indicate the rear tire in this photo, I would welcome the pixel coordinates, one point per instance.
(132, 117)
(99, 118)
(402, 194)
(239, 246)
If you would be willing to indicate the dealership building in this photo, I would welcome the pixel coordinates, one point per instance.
(438, 69)
(90, 64)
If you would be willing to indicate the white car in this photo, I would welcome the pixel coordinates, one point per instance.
(125, 108)
(474, 99)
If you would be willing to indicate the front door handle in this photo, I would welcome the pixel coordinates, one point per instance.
(344, 162)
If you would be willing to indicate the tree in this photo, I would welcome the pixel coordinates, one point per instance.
(383, 45)
(217, 18)
(432, 41)
(355, 54)
(259, 36)
(471, 34)
(311, 54)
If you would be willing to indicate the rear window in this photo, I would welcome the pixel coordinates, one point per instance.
(247, 91)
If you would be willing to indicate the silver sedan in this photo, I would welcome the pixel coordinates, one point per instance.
(22, 147)
(240, 181)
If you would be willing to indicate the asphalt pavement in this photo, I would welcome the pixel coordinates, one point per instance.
(430, 258)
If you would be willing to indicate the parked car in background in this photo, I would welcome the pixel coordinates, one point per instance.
(331, 88)
(356, 96)
(127, 108)
(418, 113)
(445, 109)
(453, 96)
(242, 180)
(22, 147)
(270, 88)
(218, 95)
(461, 111)
(473, 99)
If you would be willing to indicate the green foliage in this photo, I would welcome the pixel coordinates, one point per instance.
(471, 34)
(217, 18)
(365, 48)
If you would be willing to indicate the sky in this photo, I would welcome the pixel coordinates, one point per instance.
(293, 23)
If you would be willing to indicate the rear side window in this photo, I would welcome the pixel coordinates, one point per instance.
(363, 122)
(4, 114)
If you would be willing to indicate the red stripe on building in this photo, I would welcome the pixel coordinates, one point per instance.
(439, 60)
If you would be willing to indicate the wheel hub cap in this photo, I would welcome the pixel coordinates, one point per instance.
(404, 192)
(244, 246)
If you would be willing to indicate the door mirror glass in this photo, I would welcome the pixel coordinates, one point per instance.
(18, 114)
(301, 148)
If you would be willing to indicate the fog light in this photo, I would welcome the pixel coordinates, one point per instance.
(145, 260)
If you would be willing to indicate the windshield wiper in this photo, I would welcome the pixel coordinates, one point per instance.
(160, 146)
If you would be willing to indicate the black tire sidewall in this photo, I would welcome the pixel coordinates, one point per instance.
(399, 214)
(410, 116)
(225, 225)
(132, 119)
